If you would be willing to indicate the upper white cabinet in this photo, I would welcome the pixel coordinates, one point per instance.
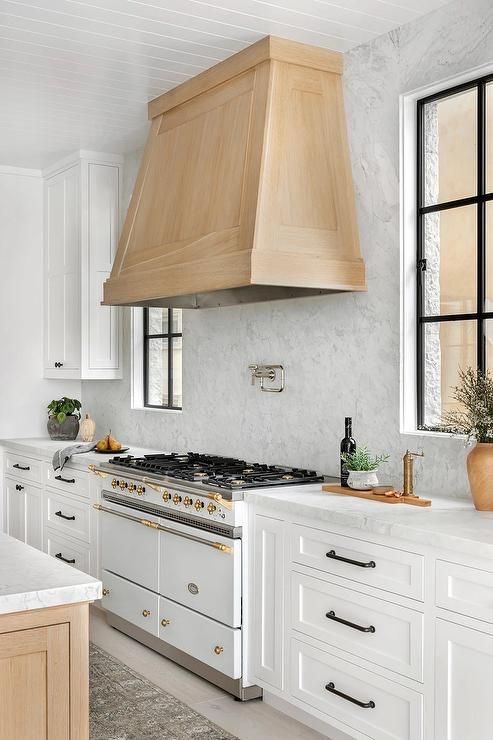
(82, 216)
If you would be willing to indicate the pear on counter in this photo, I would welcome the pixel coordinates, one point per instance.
(108, 444)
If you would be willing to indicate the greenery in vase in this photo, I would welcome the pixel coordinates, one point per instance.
(362, 459)
(474, 417)
(64, 407)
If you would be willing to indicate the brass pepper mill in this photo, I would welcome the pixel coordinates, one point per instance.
(408, 471)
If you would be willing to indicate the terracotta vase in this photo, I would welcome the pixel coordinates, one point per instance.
(480, 473)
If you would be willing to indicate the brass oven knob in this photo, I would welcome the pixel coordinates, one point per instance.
(123, 485)
(165, 622)
(211, 508)
(176, 499)
(106, 592)
(199, 505)
(146, 613)
(114, 483)
(187, 501)
(166, 496)
(131, 487)
(140, 490)
(218, 649)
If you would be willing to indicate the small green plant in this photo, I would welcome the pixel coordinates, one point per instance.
(362, 459)
(64, 407)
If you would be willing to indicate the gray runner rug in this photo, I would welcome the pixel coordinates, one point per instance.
(126, 706)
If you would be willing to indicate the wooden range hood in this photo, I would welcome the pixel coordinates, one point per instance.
(245, 190)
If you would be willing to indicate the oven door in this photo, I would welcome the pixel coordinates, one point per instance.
(129, 548)
(204, 575)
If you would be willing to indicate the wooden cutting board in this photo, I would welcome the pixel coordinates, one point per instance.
(372, 495)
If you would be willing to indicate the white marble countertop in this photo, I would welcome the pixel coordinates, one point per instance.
(45, 448)
(449, 524)
(31, 579)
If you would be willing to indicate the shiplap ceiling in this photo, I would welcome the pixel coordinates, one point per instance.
(78, 75)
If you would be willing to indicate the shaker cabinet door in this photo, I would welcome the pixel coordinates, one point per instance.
(464, 682)
(62, 275)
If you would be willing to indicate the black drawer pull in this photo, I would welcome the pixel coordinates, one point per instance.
(18, 487)
(60, 557)
(58, 364)
(365, 704)
(65, 480)
(332, 554)
(332, 615)
(63, 516)
(19, 467)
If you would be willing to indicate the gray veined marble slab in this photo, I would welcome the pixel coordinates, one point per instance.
(30, 579)
(449, 524)
(46, 448)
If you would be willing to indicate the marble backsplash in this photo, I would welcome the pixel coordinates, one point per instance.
(341, 352)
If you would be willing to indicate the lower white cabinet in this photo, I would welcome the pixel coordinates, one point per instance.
(24, 512)
(361, 700)
(68, 550)
(464, 683)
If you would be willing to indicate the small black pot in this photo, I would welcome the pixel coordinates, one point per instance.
(67, 430)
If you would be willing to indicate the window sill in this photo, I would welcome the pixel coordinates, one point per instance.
(438, 435)
(154, 409)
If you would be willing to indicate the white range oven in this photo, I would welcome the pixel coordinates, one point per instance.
(172, 536)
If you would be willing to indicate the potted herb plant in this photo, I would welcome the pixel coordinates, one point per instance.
(63, 418)
(362, 468)
(474, 418)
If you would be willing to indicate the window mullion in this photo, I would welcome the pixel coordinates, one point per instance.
(481, 231)
(170, 358)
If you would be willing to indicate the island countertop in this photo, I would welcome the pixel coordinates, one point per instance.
(30, 579)
(449, 523)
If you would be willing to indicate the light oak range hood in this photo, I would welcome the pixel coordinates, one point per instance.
(245, 190)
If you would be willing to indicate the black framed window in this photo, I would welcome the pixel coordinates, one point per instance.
(163, 343)
(454, 242)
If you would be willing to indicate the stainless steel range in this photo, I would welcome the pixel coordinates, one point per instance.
(173, 554)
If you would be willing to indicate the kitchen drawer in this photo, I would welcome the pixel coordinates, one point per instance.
(67, 550)
(203, 638)
(67, 514)
(397, 571)
(24, 468)
(389, 712)
(131, 602)
(69, 479)
(386, 634)
(129, 548)
(200, 576)
(464, 590)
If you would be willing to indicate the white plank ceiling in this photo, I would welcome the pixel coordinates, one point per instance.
(78, 74)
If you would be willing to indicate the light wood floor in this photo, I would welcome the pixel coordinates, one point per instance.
(251, 720)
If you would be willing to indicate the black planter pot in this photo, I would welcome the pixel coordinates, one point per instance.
(67, 430)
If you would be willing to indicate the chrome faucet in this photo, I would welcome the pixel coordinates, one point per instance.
(408, 461)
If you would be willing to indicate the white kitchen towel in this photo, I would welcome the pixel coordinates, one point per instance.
(62, 456)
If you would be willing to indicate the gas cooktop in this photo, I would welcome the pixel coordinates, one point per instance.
(212, 470)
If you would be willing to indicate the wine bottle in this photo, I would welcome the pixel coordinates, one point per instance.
(348, 445)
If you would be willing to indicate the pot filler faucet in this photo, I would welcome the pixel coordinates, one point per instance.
(408, 461)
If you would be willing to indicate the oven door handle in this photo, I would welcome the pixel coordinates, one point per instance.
(154, 525)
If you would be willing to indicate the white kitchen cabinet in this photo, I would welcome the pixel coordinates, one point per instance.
(268, 586)
(24, 512)
(464, 682)
(82, 339)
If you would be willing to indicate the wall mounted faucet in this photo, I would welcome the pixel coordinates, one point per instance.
(268, 373)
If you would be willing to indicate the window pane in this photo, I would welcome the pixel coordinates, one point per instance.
(177, 326)
(489, 137)
(489, 257)
(177, 371)
(449, 139)
(157, 372)
(488, 330)
(448, 346)
(158, 321)
(450, 251)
